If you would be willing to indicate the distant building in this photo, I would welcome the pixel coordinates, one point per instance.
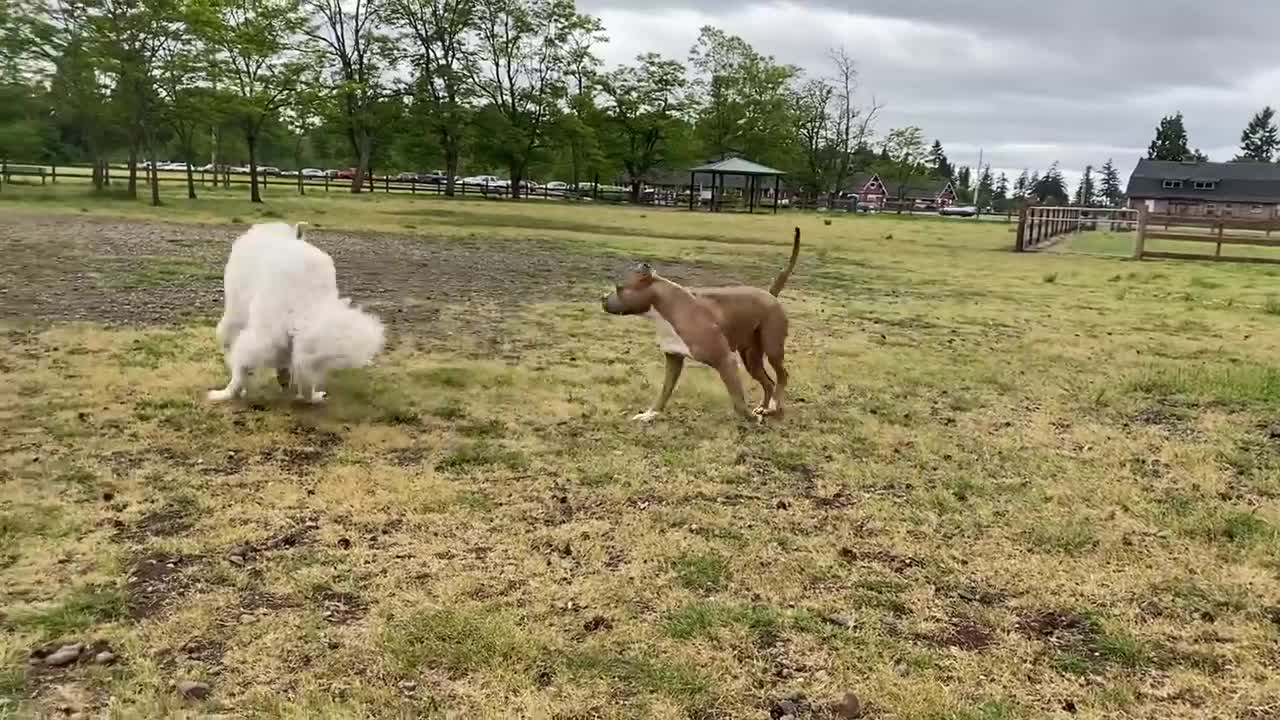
(872, 191)
(1238, 189)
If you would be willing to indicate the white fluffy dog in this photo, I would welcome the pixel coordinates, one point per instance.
(283, 311)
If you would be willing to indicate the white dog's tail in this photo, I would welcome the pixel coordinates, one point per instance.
(337, 336)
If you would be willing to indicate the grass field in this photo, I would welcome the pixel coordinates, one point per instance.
(1008, 486)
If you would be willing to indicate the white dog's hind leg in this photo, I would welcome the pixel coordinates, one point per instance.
(235, 388)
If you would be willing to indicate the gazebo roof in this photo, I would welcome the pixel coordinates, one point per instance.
(737, 166)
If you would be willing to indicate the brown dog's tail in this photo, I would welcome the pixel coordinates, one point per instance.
(781, 280)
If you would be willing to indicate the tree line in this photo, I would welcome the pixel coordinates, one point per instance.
(513, 86)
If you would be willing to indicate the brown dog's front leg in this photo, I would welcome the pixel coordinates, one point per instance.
(675, 364)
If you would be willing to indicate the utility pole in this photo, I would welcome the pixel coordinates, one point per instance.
(977, 190)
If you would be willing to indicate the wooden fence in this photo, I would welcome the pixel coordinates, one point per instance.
(49, 174)
(1043, 226)
(1205, 230)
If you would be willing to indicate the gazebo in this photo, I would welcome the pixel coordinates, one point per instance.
(749, 171)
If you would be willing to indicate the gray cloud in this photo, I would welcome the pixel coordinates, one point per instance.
(1077, 82)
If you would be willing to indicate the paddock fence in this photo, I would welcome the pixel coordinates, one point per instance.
(1042, 227)
(1164, 236)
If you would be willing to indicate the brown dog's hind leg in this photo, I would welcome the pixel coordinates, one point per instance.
(733, 383)
(675, 364)
(773, 338)
(753, 360)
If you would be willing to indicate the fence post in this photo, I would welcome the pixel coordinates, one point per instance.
(386, 183)
(1140, 242)
(301, 191)
(1020, 244)
(1218, 251)
(54, 179)
(326, 181)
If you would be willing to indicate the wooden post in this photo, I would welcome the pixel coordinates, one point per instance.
(1140, 240)
(777, 189)
(54, 179)
(386, 183)
(1218, 252)
(692, 177)
(301, 191)
(326, 182)
(1020, 243)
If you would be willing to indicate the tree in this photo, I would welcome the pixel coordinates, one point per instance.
(1051, 188)
(252, 55)
(746, 99)
(830, 126)
(982, 195)
(645, 102)
(963, 183)
(1021, 186)
(1170, 142)
(441, 89)
(904, 147)
(938, 162)
(1000, 195)
(1111, 194)
(1086, 194)
(521, 72)
(348, 36)
(1260, 139)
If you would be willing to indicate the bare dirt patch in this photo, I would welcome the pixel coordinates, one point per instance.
(155, 581)
(130, 272)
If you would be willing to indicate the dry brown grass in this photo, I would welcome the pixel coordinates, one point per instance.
(996, 496)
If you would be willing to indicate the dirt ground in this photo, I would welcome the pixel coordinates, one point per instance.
(127, 272)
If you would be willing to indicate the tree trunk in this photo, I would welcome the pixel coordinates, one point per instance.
(251, 138)
(516, 173)
(364, 149)
(635, 191)
(155, 172)
(450, 165)
(188, 153)
(133, 170)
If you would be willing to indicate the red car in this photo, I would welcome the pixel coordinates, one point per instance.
(346, 174)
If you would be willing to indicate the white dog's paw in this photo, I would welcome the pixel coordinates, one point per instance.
(317, 397)
(646, 416)
(220, 395)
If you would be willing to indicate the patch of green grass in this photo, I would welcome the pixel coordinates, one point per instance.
(447, 376)
(1050, 278)
(87, 607)
(481, 454)
(457, 641)
(1271, 306)
(681, 681)
(185, 415)
(702, 619)
(1229, 384)
(990, 710)
(449, 410)
(152, 350)
(702, 572)
(482, 429)
(162, 272)
(1243, 527)
(1204, 282)
(1069, 536)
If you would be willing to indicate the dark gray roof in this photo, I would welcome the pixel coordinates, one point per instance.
(1236, 182)
(737, 166)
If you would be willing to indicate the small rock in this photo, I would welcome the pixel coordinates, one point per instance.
(236, 559)
(106, 657)
(1273, 431)
(848, 707)
(246, 618)
(839, 619)
(64, 655)
(192, 689)
(408, 685)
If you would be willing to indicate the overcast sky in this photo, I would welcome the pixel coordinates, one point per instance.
(1029, 83)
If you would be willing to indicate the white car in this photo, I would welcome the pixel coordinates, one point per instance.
(482, 180)
(311, 172)
(557, 186)
(959, 211)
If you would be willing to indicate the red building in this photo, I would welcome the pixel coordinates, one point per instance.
(928, 194)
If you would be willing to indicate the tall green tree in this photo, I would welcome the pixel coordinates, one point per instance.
(982, 194)
(353, 48)
(646, 102)
(938, 163)
(522, 71)
(1170, 142)
(1000, 194)
(747, 100)
(1111, 194)
(255, 60)
(1086, 193)
(1051, 188)
(1260, 139)
(440, 31)
(1021, 185)
(905, 150)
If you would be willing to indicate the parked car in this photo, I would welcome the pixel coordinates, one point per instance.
(959, 211)
(268, 170)
(491, 180)
(345, 174)
(407, 177)
(557, 186)
(311, 172)
(173, 166)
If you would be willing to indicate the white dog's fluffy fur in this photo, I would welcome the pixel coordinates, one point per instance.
(283, 312)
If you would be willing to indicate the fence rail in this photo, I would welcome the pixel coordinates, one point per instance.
(1041, 227)
(1216, 231)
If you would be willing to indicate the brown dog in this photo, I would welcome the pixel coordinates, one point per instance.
(710, 325)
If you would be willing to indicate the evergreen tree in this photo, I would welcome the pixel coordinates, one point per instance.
(1085, 192)
(1000, 196)
(982, 196)
(1033, 184)
(964, 193)
(1170, 142)
(1110, 193)
(1051, 188)
(938, 163)
(1020, 185)
(1260, 139)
